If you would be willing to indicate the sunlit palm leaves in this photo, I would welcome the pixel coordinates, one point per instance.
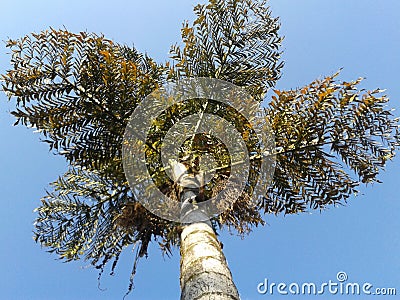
(323, 131)
(233, 40)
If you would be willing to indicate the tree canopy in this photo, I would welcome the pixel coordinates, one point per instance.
(80, 89)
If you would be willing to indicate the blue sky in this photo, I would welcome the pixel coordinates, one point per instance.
(362, 239)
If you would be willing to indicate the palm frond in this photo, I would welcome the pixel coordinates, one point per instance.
(326, 132)
(232, 40)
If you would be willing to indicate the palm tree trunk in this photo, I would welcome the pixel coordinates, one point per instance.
(204, 271)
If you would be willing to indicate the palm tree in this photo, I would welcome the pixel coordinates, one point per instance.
(80, 90)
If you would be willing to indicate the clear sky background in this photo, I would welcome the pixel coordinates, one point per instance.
(362, 239)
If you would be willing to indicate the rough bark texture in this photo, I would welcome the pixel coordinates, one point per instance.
(204, 271)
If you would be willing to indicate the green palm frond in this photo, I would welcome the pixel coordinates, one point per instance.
(79, 90)
(232, 40)
(325, 133)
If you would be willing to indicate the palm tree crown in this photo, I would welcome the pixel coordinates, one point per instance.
(79, 91)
